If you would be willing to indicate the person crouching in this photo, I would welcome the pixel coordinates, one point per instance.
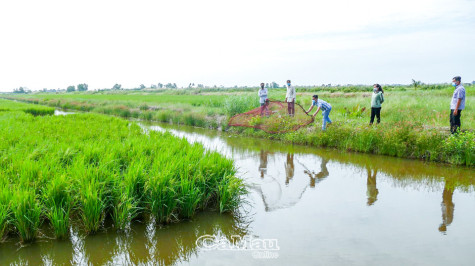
(325, 107)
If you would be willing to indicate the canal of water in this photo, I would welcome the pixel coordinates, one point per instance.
(305, 206)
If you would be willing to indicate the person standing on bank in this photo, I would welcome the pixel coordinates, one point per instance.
(457, 104)
(290, 98)
(263, 98)
(324, 106)
(376, 100)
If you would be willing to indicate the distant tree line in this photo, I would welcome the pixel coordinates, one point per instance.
(21, 90)
(80, 87)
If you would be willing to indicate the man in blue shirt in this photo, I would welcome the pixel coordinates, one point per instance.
(324, 106)
(457, 104)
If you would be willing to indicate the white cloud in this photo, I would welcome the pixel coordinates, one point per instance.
(58, 43)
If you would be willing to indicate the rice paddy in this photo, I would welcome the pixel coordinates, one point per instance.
(89, 168)
(6, 105)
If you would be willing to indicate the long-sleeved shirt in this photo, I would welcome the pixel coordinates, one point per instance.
(291, 94)
(262, 95)
(322, 104)
(377, 99)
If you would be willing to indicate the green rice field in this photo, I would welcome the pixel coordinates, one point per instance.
(91, 168)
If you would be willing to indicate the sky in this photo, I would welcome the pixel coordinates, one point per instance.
(54, 44)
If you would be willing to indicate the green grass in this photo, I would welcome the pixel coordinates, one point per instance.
(96, 167)
(6, 105)
(414, 123)
(428, 106)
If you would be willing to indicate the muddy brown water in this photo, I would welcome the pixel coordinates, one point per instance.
(306, 206)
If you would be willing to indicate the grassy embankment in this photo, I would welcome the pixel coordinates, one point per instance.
(6, 106)
(90, 167)
(414, 122)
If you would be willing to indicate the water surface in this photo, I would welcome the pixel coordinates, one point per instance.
(320, 206)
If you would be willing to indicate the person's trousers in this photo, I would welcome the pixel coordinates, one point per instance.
(291, 108)
(326, 119)
(375, 111)
(455, 121)
(264, 108)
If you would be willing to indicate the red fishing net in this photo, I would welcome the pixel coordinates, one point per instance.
(274, 118)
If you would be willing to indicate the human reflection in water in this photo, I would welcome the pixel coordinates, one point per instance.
(289, 168)
(263, 163)
(317, 177)
(371, 189)
(447, 208)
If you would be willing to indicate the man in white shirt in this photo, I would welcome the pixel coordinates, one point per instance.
(263, 100)
(290, 98)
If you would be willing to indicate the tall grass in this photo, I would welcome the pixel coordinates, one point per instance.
(407, 140)
(460, 148)
(239, 104)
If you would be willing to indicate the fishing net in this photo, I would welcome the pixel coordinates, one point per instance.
(273, 119)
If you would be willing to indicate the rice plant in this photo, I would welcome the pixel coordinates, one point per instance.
(230, 191)
(57, 201)
(125, 207)
(5, 196)
(92, 205)
(161, 191)
(190, 196)
(27, 213)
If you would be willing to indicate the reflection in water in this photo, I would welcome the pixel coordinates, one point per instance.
(278, 193)
(447, 208)
(59, 112)
(289, 168)
(371, 189)
(317, 177)
(77, 243)
(144, 244)
(259, 163)
(263, 162)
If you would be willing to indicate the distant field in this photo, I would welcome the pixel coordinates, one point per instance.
(7, 105)
(414, 123)
(428, 107)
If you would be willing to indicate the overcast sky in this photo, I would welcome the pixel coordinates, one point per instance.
(53, 44)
